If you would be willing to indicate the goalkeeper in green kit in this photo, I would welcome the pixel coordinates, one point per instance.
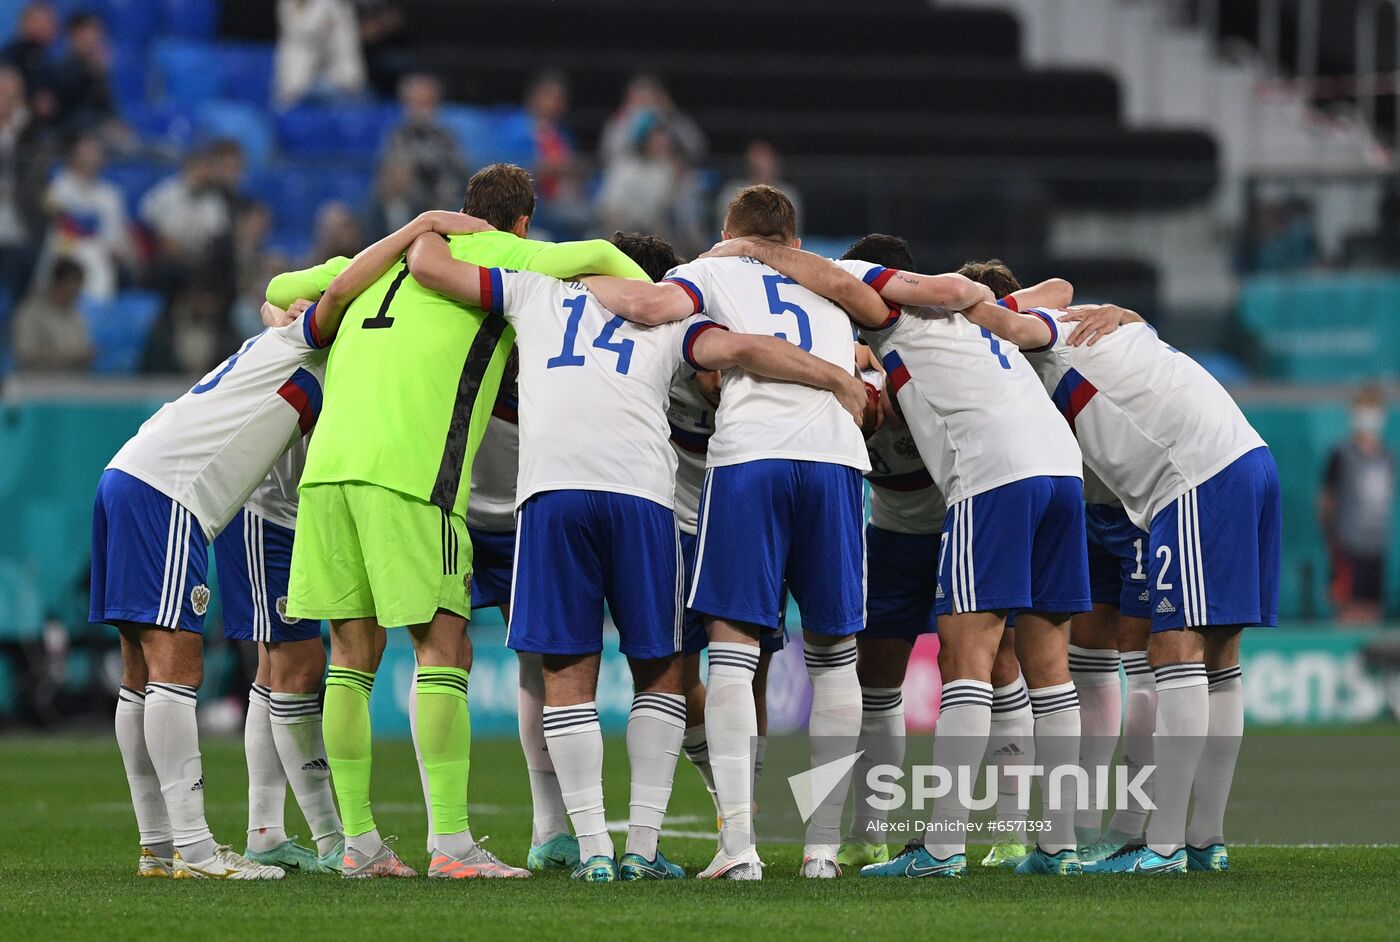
(381, 534)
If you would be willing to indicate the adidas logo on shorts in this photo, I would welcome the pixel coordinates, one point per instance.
(1165, 607)
(1146, 596)
(939, 593)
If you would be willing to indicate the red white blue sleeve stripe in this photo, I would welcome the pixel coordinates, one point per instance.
(309, 332)
(896, 373)
(696, 297)
(878, 276)
(493, 292)
(691, 335)
(1054, 330)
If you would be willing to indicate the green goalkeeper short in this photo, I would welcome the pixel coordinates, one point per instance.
(365, 551)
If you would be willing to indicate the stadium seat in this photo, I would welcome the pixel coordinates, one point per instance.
(474, 130)
(246, 71)
(136, 177)
(132, 22)
(119, 329)
(166, 126)
(245, 123)
(192, 19)
(189, 71)
(129, 75)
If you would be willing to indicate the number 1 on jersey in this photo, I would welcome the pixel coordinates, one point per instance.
(604, 340)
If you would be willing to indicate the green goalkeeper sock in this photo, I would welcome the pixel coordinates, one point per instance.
(445, 740)
(346, 731)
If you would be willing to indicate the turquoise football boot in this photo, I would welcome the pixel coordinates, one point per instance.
(560, 852)
(1063, 863)
(1138, 858)
(637, 867)
(596, 869)
(916, 863)
(1006, 855)
(1213, 857)
(288, 855)
(333, 860)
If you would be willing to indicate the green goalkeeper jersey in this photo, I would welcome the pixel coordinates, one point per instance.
(412, 375)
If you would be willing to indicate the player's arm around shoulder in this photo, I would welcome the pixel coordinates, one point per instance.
(644, 302)
(818, 275)
(431, 264)
(568, 260)
(708, 346)
(1032, 331)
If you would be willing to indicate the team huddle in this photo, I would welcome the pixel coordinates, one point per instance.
(560, 429)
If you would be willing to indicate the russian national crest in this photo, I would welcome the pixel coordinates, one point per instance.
(282, 612)
(199, 598)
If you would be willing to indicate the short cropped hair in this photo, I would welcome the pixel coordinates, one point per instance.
(500, 194)
(994, 273)
(887, 250)
(763, 211)
(653, 253)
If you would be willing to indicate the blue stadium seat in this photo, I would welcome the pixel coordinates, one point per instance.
(133, 22)
(360, 130)
(514, 137)
(287, 190)
(167, 126)
(474, 130)
(128, 75)
(308, 129)
(192, 19)
(9, 18)
(189, 71)
(245, 123)
(246, 70)
(135, 177)
(119, 329)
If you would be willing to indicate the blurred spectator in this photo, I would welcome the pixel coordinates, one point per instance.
(187, 212)
(89, 221)
(384, 44)
(83, 96)
(391, 205)
(761, 165)
(255, 265)
(32, 52)
(318, 51)
(1356, 508)
(50, 332)
(429, 150)
(559, 174)
(337, 232)
(645, 104)
(652, 189)
(24, 161)
(1281, 236)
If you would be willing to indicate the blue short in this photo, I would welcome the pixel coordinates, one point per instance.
(1216, 549)
(1018, 546)
(254, 557)
(493, 561)
(901, 581)
(694, 638)
(1118, 554)
(574, 550)
(774, 523)
(150, 561)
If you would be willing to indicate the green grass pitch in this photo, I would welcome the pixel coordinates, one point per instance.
(68, 856)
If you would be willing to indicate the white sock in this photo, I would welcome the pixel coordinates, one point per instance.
(575, 742)
(172, 736)
(267, 783)
(654, 731)
(367, 843)
(1095, 674)
(1217, 770)
(1183, 717)
(731, 723)
(296, 729)
(152, 823)
(959, 743)
(1011, 741)
(881, 743)
(550, 818)
(697, 750)
(760, 751)
(1056, 711)
(422, 769)
(833, 728)
(1139, 720)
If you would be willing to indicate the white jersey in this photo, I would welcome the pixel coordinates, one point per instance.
(497, 465)
(903, 497)
(210, 449)
(692, 420)
(973, 403)
(1152, 422)
(593, 390)
(762, 418)
(275, 499)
